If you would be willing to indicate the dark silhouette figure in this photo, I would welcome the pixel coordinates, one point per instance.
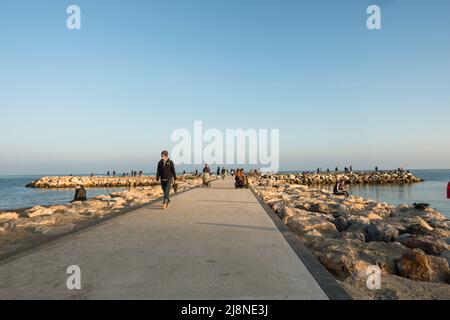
(80, 194)
(339, 189)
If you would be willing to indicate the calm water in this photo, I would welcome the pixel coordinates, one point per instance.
(432, 191)
(13, 193)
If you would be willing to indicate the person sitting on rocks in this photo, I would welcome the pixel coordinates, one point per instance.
(339, 189)
(241, 180)
(80, 194)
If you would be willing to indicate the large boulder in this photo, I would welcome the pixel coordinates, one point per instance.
(416, 265)
(38, 211)
(372, 216)
(301, 222)
(446, 256)
(382, 231)
(8, 216)
(322, 207)
(347, 257)
(288, 212)
(277, 207)
(407, 221)
(54, 230)
(408, 211)
(302, 205)
(418, 229)
(440, 271)
(429, 244)
(341, 223)
(357, 223)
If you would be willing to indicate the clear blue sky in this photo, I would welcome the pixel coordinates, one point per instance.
(109, 96)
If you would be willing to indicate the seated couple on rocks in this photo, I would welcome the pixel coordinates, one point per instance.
(241, 180)
(339, 189)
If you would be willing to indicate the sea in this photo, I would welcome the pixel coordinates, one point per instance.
(14, 194)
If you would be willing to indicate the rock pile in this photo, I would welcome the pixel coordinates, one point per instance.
(395, 177)
(347, 235)
(92, 182)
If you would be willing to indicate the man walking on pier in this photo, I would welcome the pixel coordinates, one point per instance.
(166, 172)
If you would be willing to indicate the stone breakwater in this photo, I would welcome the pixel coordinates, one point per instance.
(353, 178)
(27, 227)
(92, 182)
(347, 235)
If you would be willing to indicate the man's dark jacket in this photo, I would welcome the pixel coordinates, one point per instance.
(165, 170)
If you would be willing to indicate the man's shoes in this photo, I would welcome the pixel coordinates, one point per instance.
(164, 206)
(167, 204)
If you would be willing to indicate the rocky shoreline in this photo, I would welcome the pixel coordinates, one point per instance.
(56, 182)
(392, 177)
(347, 235)
(25, 228)
(385, 177)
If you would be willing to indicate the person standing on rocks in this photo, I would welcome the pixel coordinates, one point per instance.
(166, 172)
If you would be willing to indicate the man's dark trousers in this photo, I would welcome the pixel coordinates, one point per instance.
(166, 184)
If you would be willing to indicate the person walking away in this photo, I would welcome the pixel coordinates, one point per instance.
(206, 173)
(223, 173)
(166, 172)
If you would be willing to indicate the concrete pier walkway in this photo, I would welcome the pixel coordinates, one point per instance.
(212, 243)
